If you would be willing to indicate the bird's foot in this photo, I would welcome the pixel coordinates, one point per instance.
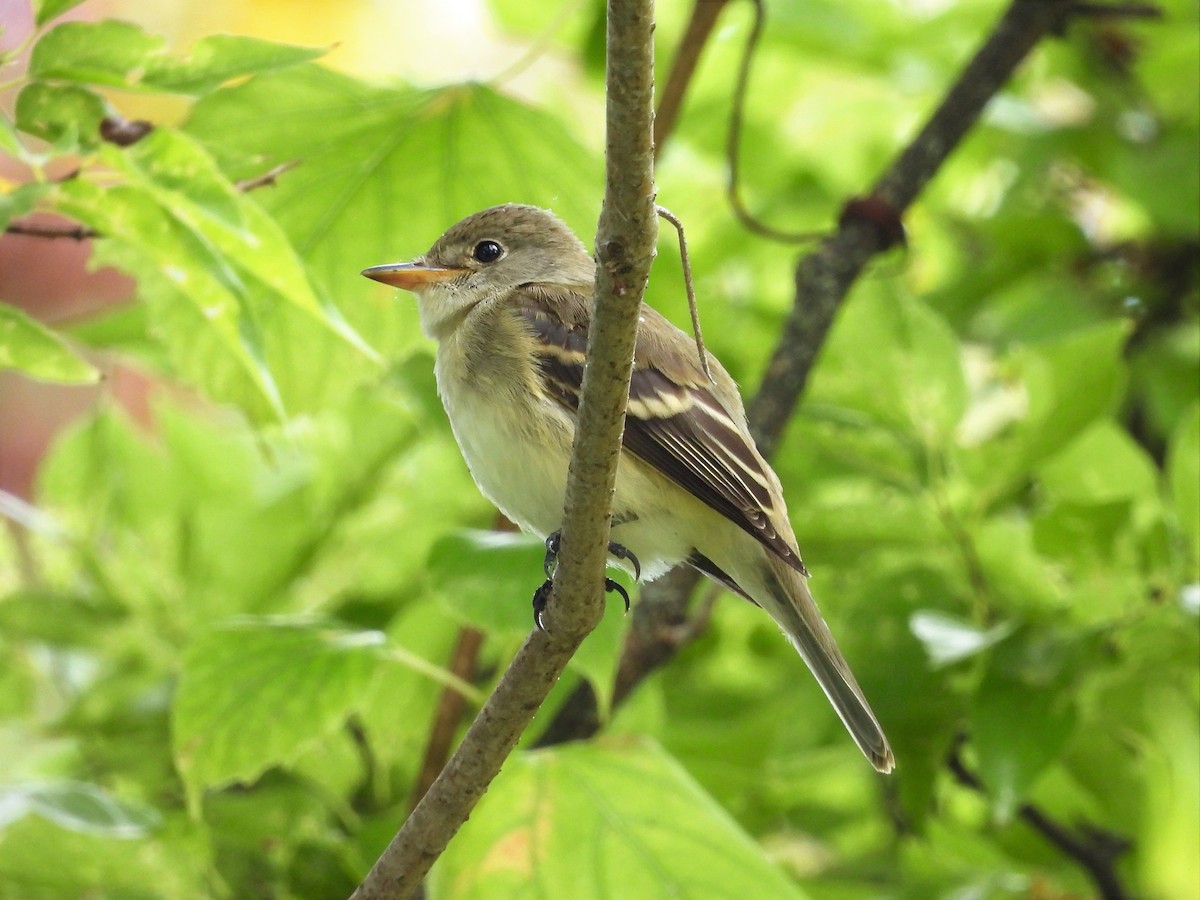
(540, 598)
(542, 595)
(614, 549)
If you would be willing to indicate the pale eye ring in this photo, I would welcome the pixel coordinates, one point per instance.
(487, 251)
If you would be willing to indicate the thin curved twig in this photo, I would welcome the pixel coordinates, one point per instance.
(689, 286)
(733, 143)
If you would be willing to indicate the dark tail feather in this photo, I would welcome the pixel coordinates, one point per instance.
(796, 613)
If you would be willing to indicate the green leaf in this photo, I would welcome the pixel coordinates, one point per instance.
(217, 58)
(40, 860)
(1102, 465)
(217, 269)
(64, 114)
(56, 616)
(177, 269)
(486, 579)
(20, 200)
(109, 52)
(181, 176)
(915, 380)
(1069, 384)
(1170, 827)
(255, 694)
(1183, 467)
(599, 655)
(45, 10)
(385, 171)
(1138, 173)
(603, 819)
(1023, 714)
(9, 142)
(122, 54)
(77, 806)
(29, 347)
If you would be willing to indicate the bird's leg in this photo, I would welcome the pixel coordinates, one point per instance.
(542, 595)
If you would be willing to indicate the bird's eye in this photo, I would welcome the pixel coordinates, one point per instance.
(488, 251)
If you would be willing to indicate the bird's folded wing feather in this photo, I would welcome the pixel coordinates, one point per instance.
(675, 421)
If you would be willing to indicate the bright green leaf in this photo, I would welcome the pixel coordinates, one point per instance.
(64, 114)
(1103, 464)
(109, 52)
(45, 10)
(20, 200)
(9, 142)
(597, 820)
(1014, 567)
(33, 349)
(1170, 828)
(177, 269)
(385, 171)
(1068, 384)
(486, 578)
(217, 58)
(218, 271)
(1022, 716)
(122, 54)
(40, 859)
(599, 655)
(254, 695)
(915, 380)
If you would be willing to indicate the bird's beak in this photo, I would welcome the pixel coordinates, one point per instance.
(410, 276)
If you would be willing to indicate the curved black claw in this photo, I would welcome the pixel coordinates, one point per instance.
(619, 551)
(610, 586)
(540, 597)
(552, 543)
(622, 552)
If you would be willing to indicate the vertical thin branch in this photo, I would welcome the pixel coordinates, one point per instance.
(625, 248)
(625, 244)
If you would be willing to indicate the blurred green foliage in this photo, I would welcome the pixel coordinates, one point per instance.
(225, 636)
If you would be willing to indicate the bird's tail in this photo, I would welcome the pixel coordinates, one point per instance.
(795, 611)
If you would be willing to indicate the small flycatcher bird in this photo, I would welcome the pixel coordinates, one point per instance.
(507, 294)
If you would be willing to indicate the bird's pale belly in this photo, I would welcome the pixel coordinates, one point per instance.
(523, 471)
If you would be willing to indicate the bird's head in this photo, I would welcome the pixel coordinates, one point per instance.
(485, 257)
